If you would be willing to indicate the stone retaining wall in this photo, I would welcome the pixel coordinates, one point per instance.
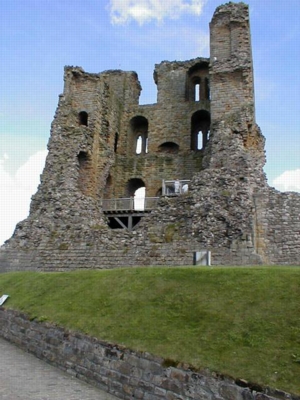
(122, 372)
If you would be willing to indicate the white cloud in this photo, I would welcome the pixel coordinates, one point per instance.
(16, 191)
(288, 181)
(123, 11)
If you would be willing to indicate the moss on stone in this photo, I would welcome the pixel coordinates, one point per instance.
(170, 232)
(63, 246)
(155, 238)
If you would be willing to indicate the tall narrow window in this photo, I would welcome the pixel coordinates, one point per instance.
(200, 125)
(116, 142)
(138, 148)
(197, 92)
(196, 82)
(200, 140)
(139, 135)
(83, 118)
(146, 149)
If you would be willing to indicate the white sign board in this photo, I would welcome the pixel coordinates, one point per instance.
(3, 298)
(202, 257)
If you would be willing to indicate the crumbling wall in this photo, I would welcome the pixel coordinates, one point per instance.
(278, 226)
(229, 209)
(231, 60)
(168, 124)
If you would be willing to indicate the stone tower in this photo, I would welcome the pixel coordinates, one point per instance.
(197, 152)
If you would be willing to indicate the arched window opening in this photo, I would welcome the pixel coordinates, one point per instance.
(139, 134)
(169, 147)
(83, 118)
(136, 189)
(116, 142)
(200, 125)
(196, 82)
(132, 186)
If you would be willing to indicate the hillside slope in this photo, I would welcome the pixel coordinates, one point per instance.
(244, 322)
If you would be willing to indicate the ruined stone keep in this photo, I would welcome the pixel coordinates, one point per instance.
(198, 153)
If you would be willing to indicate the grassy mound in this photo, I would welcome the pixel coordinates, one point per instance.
(244, 322)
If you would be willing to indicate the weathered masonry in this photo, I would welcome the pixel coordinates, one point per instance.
(198, 153)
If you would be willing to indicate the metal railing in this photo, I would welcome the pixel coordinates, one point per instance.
(130, 204)
(175, 187)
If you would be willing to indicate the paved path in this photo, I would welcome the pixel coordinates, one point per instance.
(25, 377)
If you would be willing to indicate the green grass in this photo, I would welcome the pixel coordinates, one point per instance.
(244, 322)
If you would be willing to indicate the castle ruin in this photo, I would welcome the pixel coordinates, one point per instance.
(198, 153)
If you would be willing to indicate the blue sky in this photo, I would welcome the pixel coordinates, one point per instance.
(39, 37)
